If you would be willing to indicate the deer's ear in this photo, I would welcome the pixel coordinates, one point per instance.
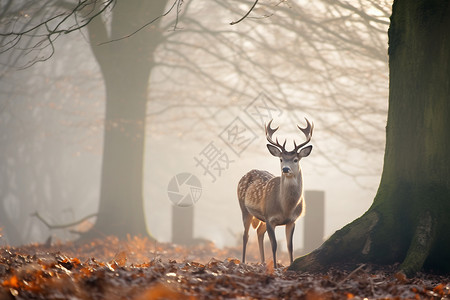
(274, 150)
(304, 152)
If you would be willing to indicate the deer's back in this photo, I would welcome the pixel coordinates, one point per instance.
(251, 189)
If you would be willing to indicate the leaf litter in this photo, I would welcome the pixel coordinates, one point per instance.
(139, 268)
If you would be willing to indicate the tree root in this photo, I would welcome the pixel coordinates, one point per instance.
(353, 243)
(420, 246)
(349, 245)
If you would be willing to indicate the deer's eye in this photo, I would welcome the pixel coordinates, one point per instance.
(281, 160)
(295, 160)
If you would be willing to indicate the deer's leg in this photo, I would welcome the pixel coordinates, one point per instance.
(289, 237)
(247, 218)
(261, 231)
(273, 242)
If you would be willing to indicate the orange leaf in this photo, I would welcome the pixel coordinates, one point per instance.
(162, 291)
(76, 261)
(121, 258)
(439, 289)
(13, 282)
(269, 268)
(401, 277)
(234, 260)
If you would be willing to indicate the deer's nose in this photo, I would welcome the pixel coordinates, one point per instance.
(286, 169)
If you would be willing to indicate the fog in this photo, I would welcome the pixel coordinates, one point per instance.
(287, 61)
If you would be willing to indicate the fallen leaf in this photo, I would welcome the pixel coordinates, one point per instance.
(162, 291)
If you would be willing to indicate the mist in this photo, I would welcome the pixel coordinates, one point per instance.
(206, 78)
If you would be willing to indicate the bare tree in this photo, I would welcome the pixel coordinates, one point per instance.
(125, 65)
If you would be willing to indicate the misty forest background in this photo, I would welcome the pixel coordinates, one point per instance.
(326, 60)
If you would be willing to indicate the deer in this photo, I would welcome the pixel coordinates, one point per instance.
(267, 201)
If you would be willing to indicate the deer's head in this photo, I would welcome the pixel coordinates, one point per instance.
(289, 160)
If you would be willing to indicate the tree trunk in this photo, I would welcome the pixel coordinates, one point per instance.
(8, 228)
(409, 219)
(126, 65)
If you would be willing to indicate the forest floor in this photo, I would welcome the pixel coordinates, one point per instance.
(139, 268)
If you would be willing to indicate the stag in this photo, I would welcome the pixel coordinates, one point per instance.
(267, 201)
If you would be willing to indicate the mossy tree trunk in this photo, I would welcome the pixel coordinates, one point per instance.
(126, 65)
(409, 219)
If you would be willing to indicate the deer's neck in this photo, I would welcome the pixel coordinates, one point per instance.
(291, 191)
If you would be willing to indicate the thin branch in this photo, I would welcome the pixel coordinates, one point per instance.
(245, 16)
(175, 4)
(51, 33)
(350, 275)
(61, 226)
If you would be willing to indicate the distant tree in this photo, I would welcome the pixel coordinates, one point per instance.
(125, 64)
(37, 157)
(409, 219)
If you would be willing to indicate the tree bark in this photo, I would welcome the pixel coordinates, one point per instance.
(126, 65)
(409, 219)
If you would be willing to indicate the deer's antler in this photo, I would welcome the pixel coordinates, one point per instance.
(269, 132)
(307, 131)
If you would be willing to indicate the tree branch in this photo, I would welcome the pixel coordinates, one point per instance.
(176, 3)
(245, 16)
(62, 226)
